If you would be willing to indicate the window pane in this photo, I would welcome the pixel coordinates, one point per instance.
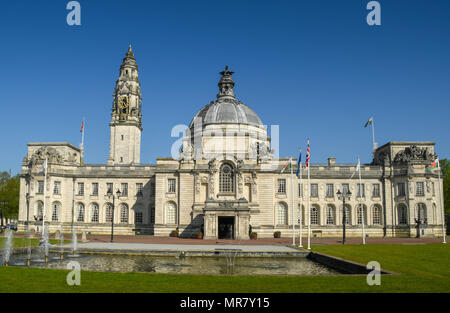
(80, 212)
(124, 213)
(95, 189)
(171, 185)
(55, 211)
(281, 186)
(226, 179)
(314, 190)
(330, 190)
(139, 218)
(94, 213)
(314, 216)
(57, 188)
(330, 215)
(282, 214)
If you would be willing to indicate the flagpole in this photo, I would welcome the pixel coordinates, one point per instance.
(301, 208)
(292, 203)
(309, 208)
(360, 205)
(45, 189)
(82, 138)
(441, 203)
(373, 135)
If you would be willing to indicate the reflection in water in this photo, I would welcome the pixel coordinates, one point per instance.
(186, 265)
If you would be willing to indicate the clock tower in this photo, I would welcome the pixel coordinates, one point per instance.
(126, 117)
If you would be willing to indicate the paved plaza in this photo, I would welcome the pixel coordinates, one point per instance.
(181, 247)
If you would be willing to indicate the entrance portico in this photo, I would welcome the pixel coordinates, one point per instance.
(226, 219)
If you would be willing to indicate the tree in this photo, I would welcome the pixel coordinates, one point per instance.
(9, 191)
(445, 168)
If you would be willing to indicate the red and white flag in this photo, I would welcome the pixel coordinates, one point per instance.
(307, 155)
(82, 126)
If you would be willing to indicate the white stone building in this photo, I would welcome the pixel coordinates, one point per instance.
(226, 182)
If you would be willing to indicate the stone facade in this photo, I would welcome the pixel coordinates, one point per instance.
(226, 182)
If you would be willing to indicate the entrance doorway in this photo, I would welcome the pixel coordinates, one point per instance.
(226, 227)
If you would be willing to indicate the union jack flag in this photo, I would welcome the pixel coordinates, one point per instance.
(307, 155)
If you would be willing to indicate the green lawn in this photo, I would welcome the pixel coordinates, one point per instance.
(422, 268)
(23, 242)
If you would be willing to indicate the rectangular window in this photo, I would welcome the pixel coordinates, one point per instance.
(139, 218)
(109, 188)
(40, 186)
(139, 188)
(314, 190)
(80, 189)
(171, 185)
(433, 190)
(152, 188)
(345, 188)
(300, 190)
(330, 190)
(361, 193)
(152, 216)
(400, 189)
(57, 188)
(95, 189)
(376, 190)
(281, 185)
(124, 189)
(419, 189)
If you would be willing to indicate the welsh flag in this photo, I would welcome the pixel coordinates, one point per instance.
(433, 165)
(287, 165)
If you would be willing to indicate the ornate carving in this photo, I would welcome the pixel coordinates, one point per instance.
(414, 153)
(196, 183)
(212, 169)
(226, 204)
(52, 155)
(381, 158)
(254, 187)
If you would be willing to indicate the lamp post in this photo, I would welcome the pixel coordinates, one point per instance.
(28, 211)
(3, 203)
(343, 196)
(111, 194)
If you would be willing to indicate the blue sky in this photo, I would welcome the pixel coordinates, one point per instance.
(313, 67)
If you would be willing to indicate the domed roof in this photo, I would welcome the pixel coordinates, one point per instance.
(226, 109)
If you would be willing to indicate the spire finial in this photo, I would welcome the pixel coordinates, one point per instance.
(226, 84)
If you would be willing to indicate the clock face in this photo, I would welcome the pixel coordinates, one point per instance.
(123, 102)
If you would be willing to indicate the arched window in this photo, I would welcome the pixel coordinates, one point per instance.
(108, 213)
(282, 214)
(226, 179)
(171, 213)
(123, 213)
(376, 215)
(421, 212)
(94, 213)
(331, 215)
(39, 209)
(359, 211)
(348, 214)
(301, 213)
(402, 214)
(56, 208)
(80, 212)
(314, 215)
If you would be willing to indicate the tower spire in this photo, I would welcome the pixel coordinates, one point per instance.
(126, 117)
(226, 84)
